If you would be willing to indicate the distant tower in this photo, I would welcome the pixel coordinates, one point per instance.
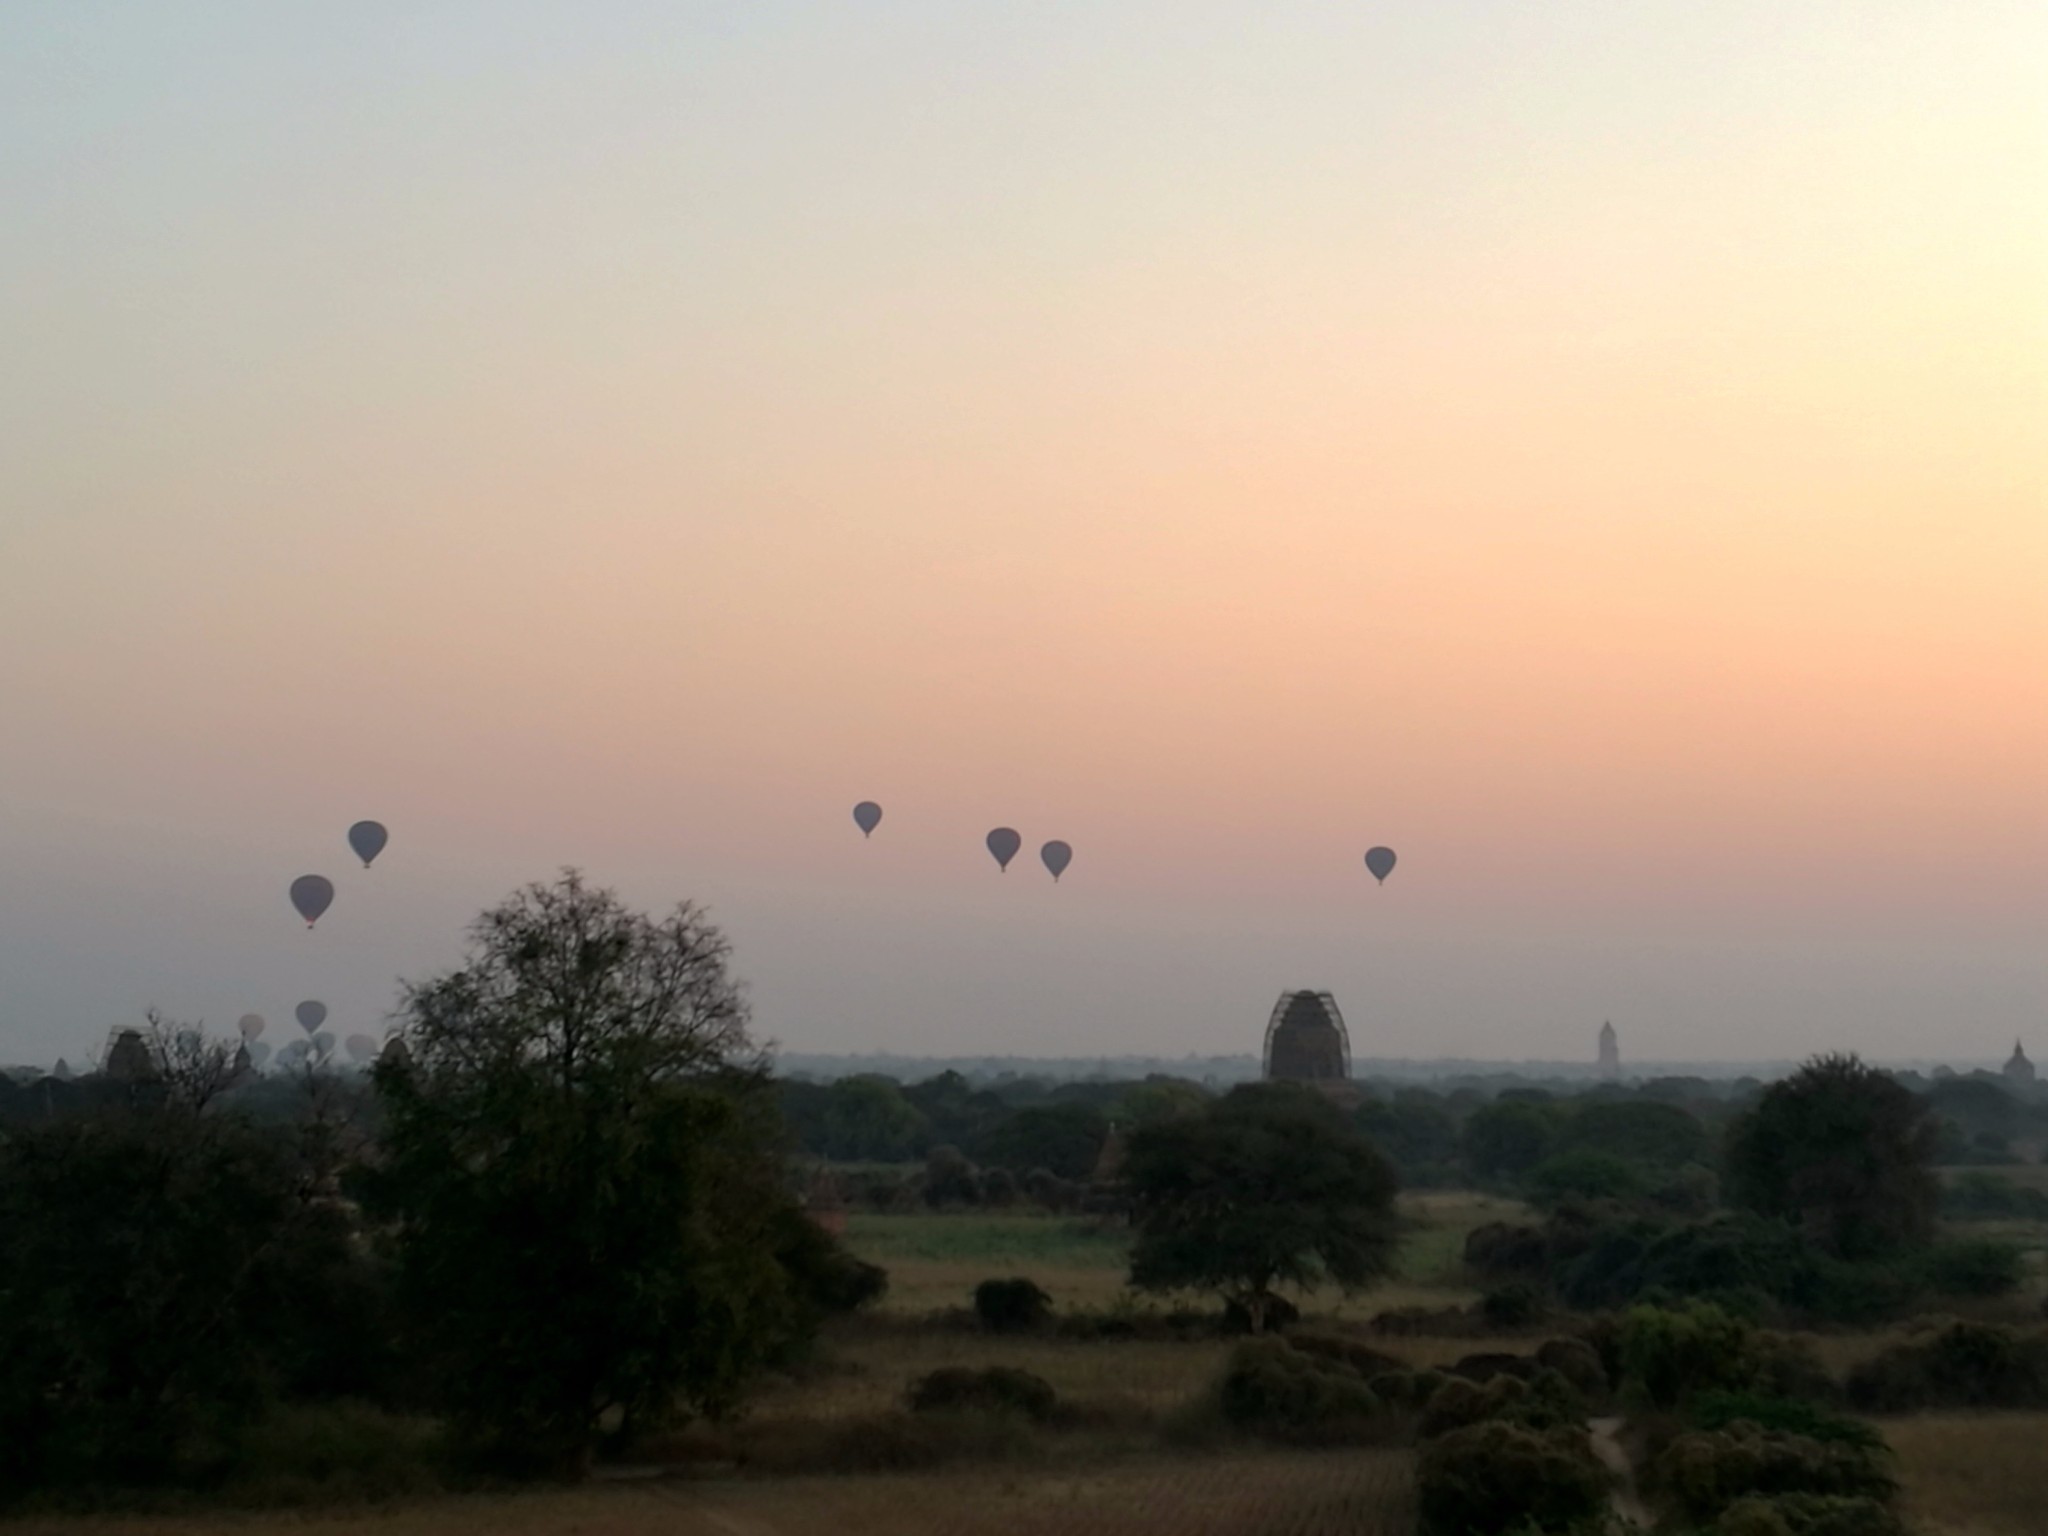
(1610, 1052)
(127, 1059)
(1306, 1041)
(2019, 1069)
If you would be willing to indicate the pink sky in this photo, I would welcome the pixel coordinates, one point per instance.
(1598, 454)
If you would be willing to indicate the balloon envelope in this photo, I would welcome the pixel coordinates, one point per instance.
(294, 1053)
(1004, 843)
(867, 816)
(312, 895)
(311, 1015)
(368, 839)
(1057, 856)
(251, 1025)
(361, 1047)
(259, 1053)
(323, 1043)
(1381, 862)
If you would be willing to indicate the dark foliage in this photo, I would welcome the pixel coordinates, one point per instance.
(1499, 1477)
(1271, 1389)
(1843, 1152)
(1064, 1138)
(1265, 1187)
(1967, 1365)
(1016, 1305)
(998, 1389)
(1701, 1473)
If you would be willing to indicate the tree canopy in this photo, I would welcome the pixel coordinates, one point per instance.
(1842, 1151)
(1267, 1186)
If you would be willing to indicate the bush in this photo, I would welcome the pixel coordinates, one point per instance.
(1512, 1306)
(1543, 1401)
(1578, 1363)
(1349, 1353)
(1967, 1365)
(998, 1389)
(1584, 1175)
(1016, 1305)
(1499, 1477)
(1507, 1251)
(1975, 1267)
(1787, 1415)
(1271, 1389)
(1670, 1354)
(1702, 1473)
(1808, 1514)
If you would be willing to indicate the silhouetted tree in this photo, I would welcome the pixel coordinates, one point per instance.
(581, 1154)
(1842, 1151)
(1266, 1187)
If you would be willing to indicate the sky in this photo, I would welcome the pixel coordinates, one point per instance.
(1596, 450)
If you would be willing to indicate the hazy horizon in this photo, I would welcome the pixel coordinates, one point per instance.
(1597, 453)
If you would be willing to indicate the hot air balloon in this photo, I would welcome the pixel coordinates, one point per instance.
(250, 1025)
(1057, 856)
(311, 1015)
(867, 816)
(1381, 862)
(1004, 843)
(259, 1053)
(312, 895)
(368, 839)
(294, 1053)
(360, 1047)
(323, 1045)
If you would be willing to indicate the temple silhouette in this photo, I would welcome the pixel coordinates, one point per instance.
(1306, 1041)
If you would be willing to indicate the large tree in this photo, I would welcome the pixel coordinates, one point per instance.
(1842, 1151)
(1268, 1186)
(580, 1154)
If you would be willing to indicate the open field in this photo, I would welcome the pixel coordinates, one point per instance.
(1359, 1493)
(1972, 1474)
(935, 1261)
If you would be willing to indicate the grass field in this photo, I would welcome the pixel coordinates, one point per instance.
(1974, 1474)
(1361, 1493)
(936, 1261)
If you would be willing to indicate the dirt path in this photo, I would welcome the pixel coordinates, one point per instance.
(1627, 1502)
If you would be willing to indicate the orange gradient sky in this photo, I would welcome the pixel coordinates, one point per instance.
(1598, 451)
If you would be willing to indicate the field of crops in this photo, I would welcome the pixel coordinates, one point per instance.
(1357, 1493)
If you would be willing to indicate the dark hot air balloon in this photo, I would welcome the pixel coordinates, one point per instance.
(368, 839)
(1057, 856)
(312, 895)
(867, 816)
(1381, 862)
(311, 1015)
(1004, 843)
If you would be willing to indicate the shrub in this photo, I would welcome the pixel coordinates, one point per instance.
(1578, 1363)
(1499, 1477)
(1786, 1415)
(998, 1389)
(1016, 1305)
(1504, 1250)
(1808, 1514)
(1702, 1473)
(1975, 1267)
(1544, 1401)
(1584, 1175)
(1669, 1354)
(1967, 1365)
(1350, 1353)
(1271, 1389)
(1512, 1306)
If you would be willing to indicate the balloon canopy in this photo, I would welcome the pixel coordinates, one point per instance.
(360, 1047)
(311, 1015)
(250, 1025)
(867, 816)
(368, 838)
(323, 1043)
(1057, 856)
(312, 895)
(1004, 843)
(1381, 862)
(259, 1053)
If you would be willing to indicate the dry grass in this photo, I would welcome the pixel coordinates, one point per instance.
(1975, 1474)
(1356, 1493)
